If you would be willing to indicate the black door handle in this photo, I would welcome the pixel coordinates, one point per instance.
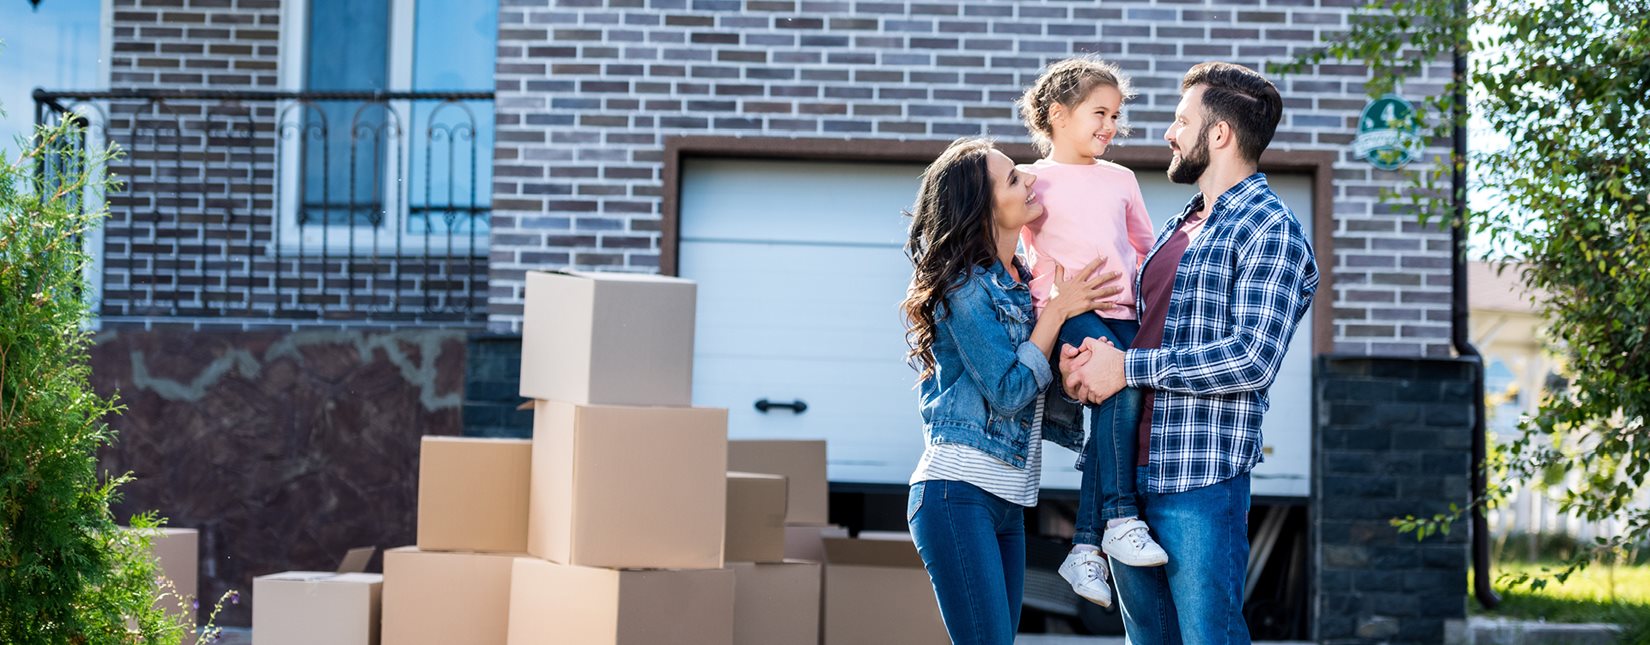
(798, 406)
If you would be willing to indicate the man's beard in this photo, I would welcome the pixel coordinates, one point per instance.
(1188, 166)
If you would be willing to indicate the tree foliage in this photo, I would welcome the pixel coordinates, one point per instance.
(1561, 186)
(67, 573)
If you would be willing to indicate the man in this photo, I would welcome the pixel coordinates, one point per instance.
(1220, 296)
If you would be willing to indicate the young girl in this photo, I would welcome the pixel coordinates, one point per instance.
(984, 362)
(1093, 209)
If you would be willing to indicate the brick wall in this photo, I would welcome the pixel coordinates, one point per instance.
(222, 44)
(492, 388)
(1394, 438)
(199, 174)
(589, 90)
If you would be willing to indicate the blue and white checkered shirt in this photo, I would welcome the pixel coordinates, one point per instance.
(1239, 292)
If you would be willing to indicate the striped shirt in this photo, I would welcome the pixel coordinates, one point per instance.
(1240, 290)
(956, 462)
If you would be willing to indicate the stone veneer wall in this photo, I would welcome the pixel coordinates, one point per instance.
(1394, 438)
(284, 448)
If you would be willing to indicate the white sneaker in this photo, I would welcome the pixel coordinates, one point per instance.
(1131, 543)
(1086, 571)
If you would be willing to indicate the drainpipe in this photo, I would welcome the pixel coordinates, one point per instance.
(1480, 530)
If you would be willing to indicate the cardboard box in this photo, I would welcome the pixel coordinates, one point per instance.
(803, 465)
(177, 553)
(439, 598)
(318, 608)
(877, 591)
(807, 541)
(628, 487)
(472, 494)
(608, 339)
(776, 603)
(756, 518)
(558, 603)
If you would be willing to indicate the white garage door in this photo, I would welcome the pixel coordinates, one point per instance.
(800, 274)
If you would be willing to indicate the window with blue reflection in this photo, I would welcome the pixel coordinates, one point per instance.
(443, 149)
(345, 141)
(454, 46)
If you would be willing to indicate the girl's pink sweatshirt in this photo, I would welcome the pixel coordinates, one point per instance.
(1089, 210)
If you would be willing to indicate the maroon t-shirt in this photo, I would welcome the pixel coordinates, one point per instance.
(1156, 286)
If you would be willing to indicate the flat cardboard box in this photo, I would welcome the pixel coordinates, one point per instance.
(802, 462)
(440, 598)
(807, 541)
(608, 338)
(776, 603)
(628, 487)
(177, 553)
(756, 518)
(877, 591)
(318, 608)
(558, 603)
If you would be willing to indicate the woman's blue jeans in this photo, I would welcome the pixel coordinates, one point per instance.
(1108, 490)
(973, 544)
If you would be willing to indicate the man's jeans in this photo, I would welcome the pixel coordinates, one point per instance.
(973, 544)
(1108, 490)
(1197, 597)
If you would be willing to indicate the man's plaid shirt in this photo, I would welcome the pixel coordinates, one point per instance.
(1239, 292)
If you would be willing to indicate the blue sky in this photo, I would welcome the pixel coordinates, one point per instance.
(55, 46)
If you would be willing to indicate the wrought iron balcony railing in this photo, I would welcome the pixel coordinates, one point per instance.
(291, 206)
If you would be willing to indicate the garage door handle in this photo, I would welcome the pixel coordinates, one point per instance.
(798, 406)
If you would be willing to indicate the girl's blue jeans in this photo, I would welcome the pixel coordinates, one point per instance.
(1108, 488)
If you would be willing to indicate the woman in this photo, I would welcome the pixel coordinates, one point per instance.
(983, 356)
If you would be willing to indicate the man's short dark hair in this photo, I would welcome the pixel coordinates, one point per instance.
(1241, 97)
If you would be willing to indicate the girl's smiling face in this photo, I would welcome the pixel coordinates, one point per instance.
(1088, 128)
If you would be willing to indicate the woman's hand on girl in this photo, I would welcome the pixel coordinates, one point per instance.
(1088, 290)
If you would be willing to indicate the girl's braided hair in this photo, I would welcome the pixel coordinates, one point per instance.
(1068, 82)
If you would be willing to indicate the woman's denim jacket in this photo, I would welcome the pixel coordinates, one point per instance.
(988, 374)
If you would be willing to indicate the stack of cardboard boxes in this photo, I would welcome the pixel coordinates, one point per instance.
(629, 481)
(875, 587)
(628, 519)
(777, 598)
(454, 585)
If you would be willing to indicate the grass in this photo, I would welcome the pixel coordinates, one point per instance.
(1601, 593)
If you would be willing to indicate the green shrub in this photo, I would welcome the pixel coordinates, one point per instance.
(67, 574)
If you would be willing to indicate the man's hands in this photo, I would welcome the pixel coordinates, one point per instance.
(1093, 372)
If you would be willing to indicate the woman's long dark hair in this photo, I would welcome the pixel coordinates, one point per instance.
(951, 232)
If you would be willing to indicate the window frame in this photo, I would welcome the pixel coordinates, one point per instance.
(394, 235)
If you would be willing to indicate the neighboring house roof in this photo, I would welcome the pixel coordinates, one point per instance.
(1506, 292)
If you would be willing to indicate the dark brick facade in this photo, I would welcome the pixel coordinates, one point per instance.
(201, 174)
(492, 388)
(590, 90)
(1394, 438)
